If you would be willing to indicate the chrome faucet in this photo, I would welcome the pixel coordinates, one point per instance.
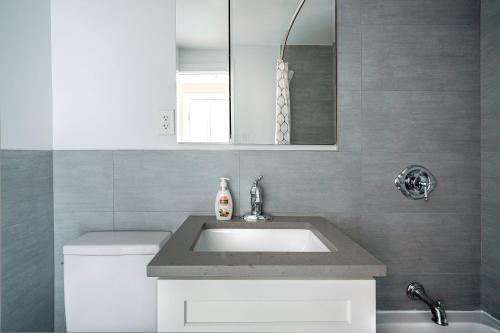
(415, 291)
(256, 202)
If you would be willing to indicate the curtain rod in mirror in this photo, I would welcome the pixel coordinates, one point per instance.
(301, 4)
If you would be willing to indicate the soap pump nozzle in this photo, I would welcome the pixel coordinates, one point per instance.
(223, 182)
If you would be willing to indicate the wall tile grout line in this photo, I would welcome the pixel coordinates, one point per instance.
(490, 158)
(421, 24)
(113, 188)
(240, 206)
(362, 99)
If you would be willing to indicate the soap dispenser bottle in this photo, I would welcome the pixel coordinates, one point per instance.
(223, 202)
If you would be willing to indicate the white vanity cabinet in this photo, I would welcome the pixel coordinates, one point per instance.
(346, 306)
(244, 282)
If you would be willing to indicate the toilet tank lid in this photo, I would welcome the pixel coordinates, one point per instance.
(117, 243)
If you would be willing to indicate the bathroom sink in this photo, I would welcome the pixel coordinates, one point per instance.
(259, 240)
(298, 247)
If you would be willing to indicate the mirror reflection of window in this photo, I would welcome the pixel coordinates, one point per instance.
(202, 39)
(203, 107)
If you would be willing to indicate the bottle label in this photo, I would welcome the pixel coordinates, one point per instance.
(224, 201)
(223, 206)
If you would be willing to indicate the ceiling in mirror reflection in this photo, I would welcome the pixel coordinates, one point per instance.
(202, 24)
(265, 22)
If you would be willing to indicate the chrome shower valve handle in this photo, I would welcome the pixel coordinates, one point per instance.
(415, 182)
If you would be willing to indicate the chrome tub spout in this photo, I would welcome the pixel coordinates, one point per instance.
(415, 291)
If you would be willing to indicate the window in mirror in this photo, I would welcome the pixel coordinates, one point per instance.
(203, 103)
(202, 41)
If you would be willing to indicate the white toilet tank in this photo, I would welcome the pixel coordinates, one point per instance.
(105, 284)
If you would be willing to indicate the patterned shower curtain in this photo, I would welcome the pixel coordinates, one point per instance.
(283, 128)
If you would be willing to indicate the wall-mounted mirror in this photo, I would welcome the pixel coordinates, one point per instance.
(202, 38)
(267, 108)
(278, 88)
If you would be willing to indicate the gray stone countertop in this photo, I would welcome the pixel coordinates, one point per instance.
(177, 260)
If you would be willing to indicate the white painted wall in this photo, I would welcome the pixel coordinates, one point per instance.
(113, 73)
(25, 75)
(192, 59)
(254, 93)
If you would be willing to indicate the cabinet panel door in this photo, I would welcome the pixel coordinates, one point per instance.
(266, 306)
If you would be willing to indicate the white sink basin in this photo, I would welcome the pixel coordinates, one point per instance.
(259, 240)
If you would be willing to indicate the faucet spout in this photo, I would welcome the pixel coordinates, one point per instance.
(256, 203)
(256, 200)
(439, 314)
(415, 291)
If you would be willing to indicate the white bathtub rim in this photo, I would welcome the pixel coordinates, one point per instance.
(477, 316)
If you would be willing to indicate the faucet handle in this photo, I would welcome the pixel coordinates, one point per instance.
(258, 179)
(426, 185)
(414, 289)
(415, 182)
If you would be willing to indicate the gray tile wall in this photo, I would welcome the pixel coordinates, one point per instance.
(490, 148)
(132, 190)
(409, 93)
(312, 94)
(27, 241)
(408, 77)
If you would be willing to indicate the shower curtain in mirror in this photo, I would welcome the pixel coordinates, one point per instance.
(282, 136)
